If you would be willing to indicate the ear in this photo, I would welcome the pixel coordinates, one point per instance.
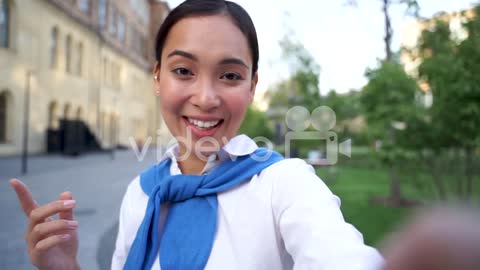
(253, 87)
(156, 79)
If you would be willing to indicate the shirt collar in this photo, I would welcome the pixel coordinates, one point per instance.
(239, 145)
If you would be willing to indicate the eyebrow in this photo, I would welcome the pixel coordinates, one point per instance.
(184, 54)
(226, 61)
(236, 61)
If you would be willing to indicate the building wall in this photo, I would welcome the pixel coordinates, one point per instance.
(114, 84)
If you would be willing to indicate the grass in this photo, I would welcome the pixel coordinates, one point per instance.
(355, 187)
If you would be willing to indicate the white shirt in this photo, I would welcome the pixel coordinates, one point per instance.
(283, 218)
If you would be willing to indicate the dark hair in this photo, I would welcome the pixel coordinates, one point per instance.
(191, 8)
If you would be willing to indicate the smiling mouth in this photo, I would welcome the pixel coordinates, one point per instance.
(204, 125)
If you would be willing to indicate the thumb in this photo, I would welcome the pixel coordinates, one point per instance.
(68, 214)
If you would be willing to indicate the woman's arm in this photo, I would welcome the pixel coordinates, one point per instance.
(312, 226)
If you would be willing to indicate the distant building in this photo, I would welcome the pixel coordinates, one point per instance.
(411, 34)
(84, 61)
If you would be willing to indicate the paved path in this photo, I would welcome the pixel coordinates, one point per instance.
(97, 183)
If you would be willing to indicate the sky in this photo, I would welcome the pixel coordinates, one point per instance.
(344, 40)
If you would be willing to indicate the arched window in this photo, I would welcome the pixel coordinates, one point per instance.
(54, 47)
(53, 121)
(79, 59)
(68, 54)
(67, 111)
(4, 115)
(79, 114)
(4, 23)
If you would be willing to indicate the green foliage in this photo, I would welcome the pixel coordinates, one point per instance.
(345, 106)
(255, 124)
(451, 67)
(301, 88)
(388, 97)
(349, 116)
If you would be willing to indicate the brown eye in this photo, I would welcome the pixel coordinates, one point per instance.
(182, 71)
(231, 76)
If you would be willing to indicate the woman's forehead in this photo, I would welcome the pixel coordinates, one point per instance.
(207, 36)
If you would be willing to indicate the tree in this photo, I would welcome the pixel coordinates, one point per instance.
(450, 66)
(303, 84)
(389, 100)
(255, 124)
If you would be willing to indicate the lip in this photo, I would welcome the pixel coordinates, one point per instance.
(199, 132)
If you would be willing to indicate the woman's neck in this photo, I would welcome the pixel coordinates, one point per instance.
(191, 164)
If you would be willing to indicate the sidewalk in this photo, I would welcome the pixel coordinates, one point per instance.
(97, 183)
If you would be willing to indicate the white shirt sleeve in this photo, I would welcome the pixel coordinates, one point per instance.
(313, 229)
(132, 210)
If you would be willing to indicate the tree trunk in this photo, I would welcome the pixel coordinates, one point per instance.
(437, 179)
(457, 174)
(469, 172)
(388, 31)
(395, 188)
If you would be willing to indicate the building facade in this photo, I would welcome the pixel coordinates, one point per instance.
(88, 61)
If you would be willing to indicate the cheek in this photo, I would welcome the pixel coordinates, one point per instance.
(237, 105)
(170, 100)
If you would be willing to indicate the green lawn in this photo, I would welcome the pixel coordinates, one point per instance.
(355, 187)
(357, 180)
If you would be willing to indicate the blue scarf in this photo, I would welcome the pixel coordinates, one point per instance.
(190, 227)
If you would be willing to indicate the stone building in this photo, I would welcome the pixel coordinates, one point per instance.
(77, 61)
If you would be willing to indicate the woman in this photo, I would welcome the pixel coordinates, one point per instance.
(282, 216)
(216, 201)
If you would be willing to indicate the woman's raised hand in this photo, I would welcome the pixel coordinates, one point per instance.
(52, 243)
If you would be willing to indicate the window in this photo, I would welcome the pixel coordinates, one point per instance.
(138, 43)
(54, 47)
(79, 114)
(113, 19)
(84, 5)
(78, 70)
(53, 115)
(105, 71)
(68, 53)
(121, 27)
(142, 9)
(102, 13)
(3, 116)
(4, 23)
(67, 111)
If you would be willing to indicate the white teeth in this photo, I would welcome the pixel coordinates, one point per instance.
(203, 124)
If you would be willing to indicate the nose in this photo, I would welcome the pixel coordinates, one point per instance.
(206, 97)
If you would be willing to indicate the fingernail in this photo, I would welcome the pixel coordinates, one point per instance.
(72, 223)
(68, 203)
(65, 236)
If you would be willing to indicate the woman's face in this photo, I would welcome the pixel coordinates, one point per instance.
(204, 82)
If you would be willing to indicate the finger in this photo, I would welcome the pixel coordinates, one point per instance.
(50, 242)
(68, 214)
(42, 213)
(24, 196)
(54, 227)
